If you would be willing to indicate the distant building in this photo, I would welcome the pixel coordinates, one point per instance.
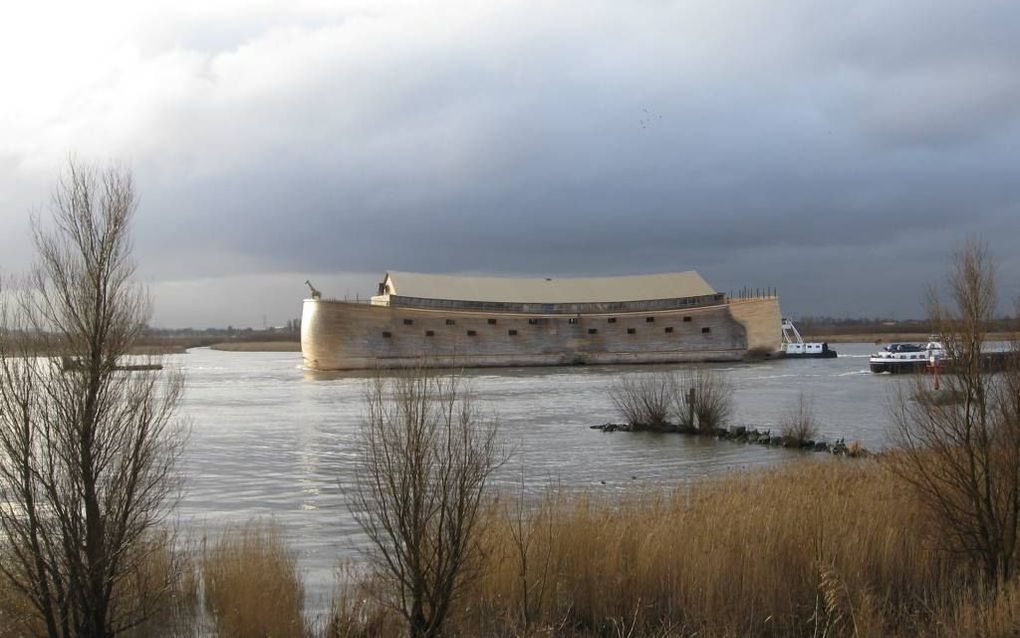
(496, 321)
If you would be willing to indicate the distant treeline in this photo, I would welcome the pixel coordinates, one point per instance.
(184, 338)
(823, 325)
(162, 340)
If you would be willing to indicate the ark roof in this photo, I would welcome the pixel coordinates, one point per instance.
(551, 290)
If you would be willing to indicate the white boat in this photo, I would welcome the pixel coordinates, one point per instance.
(795, 347)
(907, 357)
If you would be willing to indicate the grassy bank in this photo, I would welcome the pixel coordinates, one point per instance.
(257, 346)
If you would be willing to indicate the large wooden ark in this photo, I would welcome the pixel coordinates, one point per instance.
(494, 321)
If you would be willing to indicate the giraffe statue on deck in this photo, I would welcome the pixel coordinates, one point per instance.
(315, 293)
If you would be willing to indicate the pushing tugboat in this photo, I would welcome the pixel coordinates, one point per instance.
(794, 346)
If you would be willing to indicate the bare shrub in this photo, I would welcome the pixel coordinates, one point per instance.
(963, 457)
(702, 399)
(165, 568)
(533, 566)
(425, 457)
(87, 455)
(800, 425)
(644, 400)
(252, 584)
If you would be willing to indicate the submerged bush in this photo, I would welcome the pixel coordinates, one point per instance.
(800, 425)
(691, 399)
(644, 400)
(702, 400)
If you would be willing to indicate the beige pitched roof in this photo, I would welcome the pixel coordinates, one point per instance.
(553, 290)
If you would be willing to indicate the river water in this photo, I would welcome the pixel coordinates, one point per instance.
(269, 439)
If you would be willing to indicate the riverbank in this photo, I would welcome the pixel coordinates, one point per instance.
(833, 547)
(815, 548)
(257, 346)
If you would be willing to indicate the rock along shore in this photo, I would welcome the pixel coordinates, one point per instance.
(744, 434)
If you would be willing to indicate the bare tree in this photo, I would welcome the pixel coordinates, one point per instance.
(425, 457)
(962, 454)
(525, 522)
(87, 450)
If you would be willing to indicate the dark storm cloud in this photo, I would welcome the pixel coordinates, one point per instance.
(838, 153)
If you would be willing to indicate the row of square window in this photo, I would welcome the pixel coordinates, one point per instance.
(513, 333)
(535, 321)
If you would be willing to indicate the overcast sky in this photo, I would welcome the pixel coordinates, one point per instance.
(836, 151)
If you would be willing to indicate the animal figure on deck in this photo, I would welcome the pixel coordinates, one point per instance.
(315, 293)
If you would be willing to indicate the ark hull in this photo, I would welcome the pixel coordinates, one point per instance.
(338, 335)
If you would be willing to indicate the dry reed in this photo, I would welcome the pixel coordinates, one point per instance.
(981, 615)
(814, 548)
(252, 584)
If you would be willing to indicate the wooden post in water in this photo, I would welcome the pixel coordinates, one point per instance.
(690, 407)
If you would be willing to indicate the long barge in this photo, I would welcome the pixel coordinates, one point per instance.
(452, 321)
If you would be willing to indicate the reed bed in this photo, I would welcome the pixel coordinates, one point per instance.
(252, 584)
(815, 548)
(833, 547)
